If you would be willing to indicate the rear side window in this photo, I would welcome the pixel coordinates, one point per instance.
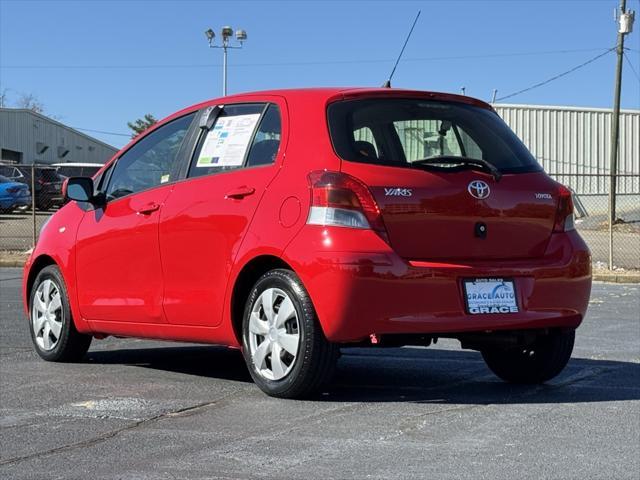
(398, 132)
(10, 172)
(243, 135)
(267, 139)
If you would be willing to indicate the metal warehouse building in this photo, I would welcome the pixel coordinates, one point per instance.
(573, 144)
(29, 137)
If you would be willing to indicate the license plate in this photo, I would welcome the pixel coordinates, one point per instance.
(490, 295)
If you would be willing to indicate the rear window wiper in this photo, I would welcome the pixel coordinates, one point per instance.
(454, 160)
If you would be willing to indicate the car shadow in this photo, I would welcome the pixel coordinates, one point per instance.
(406, 375)
(200, 360)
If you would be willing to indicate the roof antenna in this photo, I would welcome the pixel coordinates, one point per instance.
(387, 84)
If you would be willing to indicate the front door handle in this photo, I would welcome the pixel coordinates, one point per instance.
(148, 208)
(240, 192)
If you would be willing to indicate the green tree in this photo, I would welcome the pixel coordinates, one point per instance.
(141, 124)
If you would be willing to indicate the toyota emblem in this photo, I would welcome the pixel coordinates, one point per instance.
(479, 189)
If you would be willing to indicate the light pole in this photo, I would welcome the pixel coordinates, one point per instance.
(227, 35)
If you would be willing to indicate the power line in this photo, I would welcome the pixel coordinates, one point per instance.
(540, 84)
(631, 66)
(303, 63)
(102, 131)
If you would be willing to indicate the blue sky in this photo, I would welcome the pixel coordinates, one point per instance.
(99, 64)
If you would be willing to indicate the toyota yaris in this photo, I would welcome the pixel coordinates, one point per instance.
(290, 223)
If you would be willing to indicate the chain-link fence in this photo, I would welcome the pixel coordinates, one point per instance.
(29, 194)
(21, 221)
(591, 201)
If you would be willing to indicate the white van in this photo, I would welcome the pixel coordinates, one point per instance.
(77, 169)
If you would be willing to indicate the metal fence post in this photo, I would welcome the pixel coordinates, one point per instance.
(612, 189)
(33, 201)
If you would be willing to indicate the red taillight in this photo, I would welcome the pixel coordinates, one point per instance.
(342, 200)
(564, 213)
(13, 189)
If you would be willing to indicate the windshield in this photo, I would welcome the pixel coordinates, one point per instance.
(399, 132)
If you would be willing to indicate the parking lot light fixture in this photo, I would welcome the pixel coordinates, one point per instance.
(227, 36)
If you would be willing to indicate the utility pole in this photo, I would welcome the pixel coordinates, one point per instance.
(625, 27)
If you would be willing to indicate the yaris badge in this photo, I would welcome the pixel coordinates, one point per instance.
(479, 189)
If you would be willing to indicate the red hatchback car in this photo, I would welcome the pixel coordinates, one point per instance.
(290, 223)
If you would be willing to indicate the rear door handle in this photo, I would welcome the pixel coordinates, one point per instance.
(240, 192)
(148, 209)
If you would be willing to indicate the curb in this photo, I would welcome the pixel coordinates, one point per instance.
(617, 277)
(12, 262)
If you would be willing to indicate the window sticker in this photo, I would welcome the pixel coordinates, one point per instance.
(227, 143)
(164, 178)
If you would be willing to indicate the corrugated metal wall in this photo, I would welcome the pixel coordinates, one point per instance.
(574, 143)
(22, 130)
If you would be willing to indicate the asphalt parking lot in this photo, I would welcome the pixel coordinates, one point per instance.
(153, 410)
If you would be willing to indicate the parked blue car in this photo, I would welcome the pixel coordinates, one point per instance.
(13, 195)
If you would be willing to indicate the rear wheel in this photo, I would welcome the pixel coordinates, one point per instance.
(283, 344)
(537, 363)
(52, 330)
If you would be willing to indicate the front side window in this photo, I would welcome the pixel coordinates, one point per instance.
(150, 162)
(412, 132)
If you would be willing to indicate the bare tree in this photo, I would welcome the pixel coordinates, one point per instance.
(30, 102)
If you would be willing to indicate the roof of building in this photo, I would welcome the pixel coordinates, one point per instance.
(566, 108)
(57, 123)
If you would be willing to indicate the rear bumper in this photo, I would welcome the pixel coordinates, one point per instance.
(359, 286)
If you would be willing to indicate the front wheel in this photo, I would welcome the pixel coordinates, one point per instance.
(285, 349)
(52, 330)
(537, 363)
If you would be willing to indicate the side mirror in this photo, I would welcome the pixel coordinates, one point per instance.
(79, 189)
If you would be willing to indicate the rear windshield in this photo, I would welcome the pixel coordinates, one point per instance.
(398, 132)
(4, 179)
(49, 175)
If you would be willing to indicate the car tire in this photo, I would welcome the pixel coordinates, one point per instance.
(53, 332)
(277, 312)
(540, 362)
